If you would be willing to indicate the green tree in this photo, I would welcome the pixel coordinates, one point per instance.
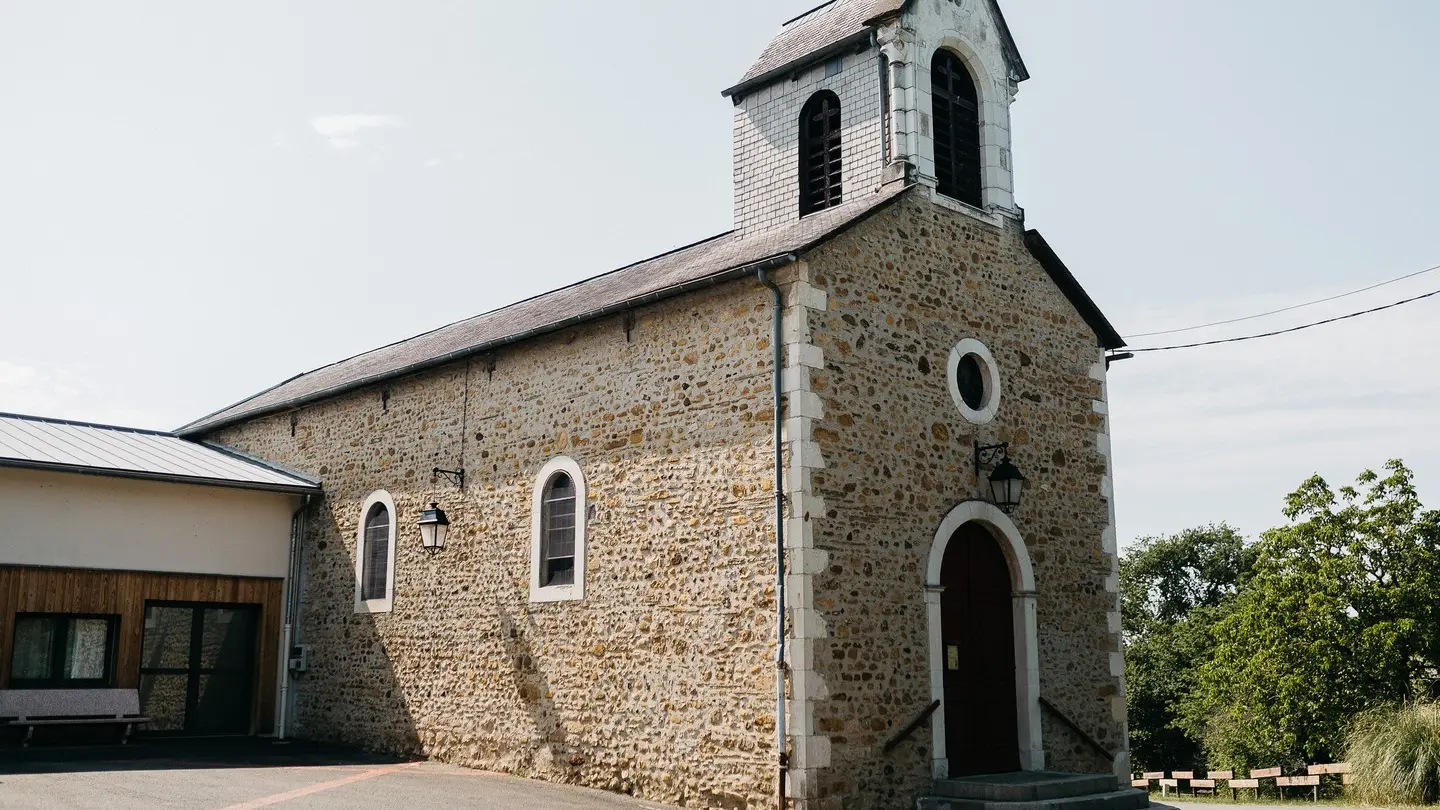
(1342, 614)
(1172, 589)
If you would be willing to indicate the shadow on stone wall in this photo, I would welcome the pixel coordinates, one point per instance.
(531, 686)
(350, 694)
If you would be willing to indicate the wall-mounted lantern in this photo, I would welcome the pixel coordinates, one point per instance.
(434, 526)
(1006, 482)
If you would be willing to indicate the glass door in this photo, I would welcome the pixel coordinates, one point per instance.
(197, 667)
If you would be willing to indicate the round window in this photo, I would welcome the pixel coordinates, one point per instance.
(974, 381)
(971, 382)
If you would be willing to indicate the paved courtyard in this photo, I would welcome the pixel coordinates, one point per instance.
(310, 779)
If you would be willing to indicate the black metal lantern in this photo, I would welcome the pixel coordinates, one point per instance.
(434, 526)
(1006, 482)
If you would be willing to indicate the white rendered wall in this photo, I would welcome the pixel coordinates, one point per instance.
(88, 521)
(767, 140)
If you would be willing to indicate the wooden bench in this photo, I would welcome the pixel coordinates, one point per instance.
(1215, 778)
(1341, 768)
(1312, 782)
(28, 708)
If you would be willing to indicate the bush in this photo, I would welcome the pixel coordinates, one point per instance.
(1395, 753)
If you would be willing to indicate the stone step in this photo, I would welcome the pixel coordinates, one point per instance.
(1127, 799)
(1026, 786)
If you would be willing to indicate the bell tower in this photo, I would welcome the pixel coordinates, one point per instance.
(911, 91)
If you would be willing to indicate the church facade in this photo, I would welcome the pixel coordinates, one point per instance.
(632, 517)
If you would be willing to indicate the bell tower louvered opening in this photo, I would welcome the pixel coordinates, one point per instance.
(820, 153)
(957, 129)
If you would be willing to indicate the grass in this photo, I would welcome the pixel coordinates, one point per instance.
(1247, 797)
(1395, 752)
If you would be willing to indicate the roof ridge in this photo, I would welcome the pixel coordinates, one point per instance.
(805, 14)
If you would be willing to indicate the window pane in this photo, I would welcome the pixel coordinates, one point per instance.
(86, 649)
(34, 646)
(225, 639)
(166, 644)
(970, 379)
(162, 699)
(220, 705)
(560, 571)
(376, 561)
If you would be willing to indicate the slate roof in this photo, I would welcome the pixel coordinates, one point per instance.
(59, 445)
(816, 30)
(833, 27)
(711, 261)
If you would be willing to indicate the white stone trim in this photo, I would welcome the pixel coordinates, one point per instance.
(576, 590)
(809, 748)
(1109, 546)
(386, 604)
(1027, 634)
(989, 370)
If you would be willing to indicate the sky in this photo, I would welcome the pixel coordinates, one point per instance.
(199, 200)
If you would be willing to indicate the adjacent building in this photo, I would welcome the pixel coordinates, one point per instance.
(134, 559)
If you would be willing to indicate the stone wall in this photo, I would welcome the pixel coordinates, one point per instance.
(767, 132)
(896, 456)
(660, 682)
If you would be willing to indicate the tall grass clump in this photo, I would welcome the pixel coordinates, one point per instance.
(1395, 754)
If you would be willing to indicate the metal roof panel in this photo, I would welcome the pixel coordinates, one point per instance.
(62, 445)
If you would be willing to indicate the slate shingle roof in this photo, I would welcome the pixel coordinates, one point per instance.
(806, 37)
(818, 29)
(712, 260)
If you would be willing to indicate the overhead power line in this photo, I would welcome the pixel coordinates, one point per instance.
(1286, 331)
(1285, 309)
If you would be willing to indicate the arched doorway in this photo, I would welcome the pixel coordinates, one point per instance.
(963, 595)
(978, 635)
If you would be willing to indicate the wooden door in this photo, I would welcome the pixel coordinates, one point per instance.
(978, 647)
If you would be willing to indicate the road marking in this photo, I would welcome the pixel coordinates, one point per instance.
(267, 801)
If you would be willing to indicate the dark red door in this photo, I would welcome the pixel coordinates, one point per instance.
(978, 646)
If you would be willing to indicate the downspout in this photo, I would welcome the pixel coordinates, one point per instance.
(779, 357)
(884, 109)
(292, 598)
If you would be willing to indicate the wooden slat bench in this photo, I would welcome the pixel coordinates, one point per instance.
(1341, 768)
(1312, 782)
(28, 708)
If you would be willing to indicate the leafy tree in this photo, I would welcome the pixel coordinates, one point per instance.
(1172, 589)
(1342, 614)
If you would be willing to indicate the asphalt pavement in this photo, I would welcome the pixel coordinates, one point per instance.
(249, 776)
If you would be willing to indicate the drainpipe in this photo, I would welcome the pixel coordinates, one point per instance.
(779, 357)
(292, 599)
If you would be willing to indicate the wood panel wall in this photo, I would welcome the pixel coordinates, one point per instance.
(124, 593)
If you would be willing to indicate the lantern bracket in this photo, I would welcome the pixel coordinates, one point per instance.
(457, 477)
(988, 455)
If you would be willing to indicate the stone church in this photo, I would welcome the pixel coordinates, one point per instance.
(820, 421)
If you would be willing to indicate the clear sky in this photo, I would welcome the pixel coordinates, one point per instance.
(198, 200)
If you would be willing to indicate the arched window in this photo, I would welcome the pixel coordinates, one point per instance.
(557, 545)
(557, 525)
(375, 554)
(957, 129)
(820, 175)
